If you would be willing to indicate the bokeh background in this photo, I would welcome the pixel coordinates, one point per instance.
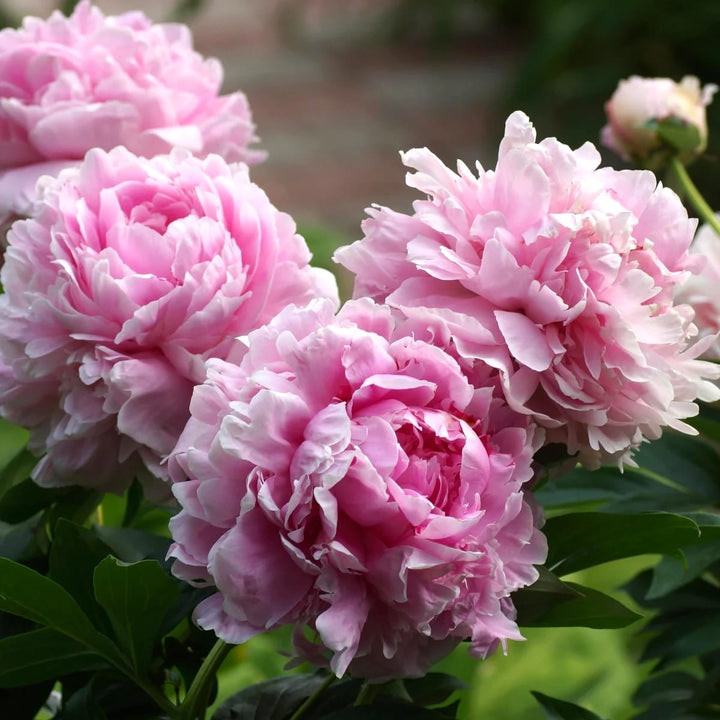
(339, 87)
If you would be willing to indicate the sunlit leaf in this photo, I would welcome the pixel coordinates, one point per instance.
(581, 540)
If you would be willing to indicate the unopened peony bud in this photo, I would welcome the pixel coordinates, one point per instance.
(650, 114)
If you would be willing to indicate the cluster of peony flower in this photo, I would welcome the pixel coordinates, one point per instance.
(130, 275)
(72, 84)
(362, 475)
(558, 275)
(384, 491)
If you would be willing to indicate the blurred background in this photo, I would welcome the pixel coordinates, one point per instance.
(339, 87)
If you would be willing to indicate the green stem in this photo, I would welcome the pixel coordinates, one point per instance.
(310, 701)
(704, 211)
(192, 705)
(367, 694)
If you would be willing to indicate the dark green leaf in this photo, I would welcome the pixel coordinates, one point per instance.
(43, 654)
(270, 700)
(591, 609)
(665, 688)
(28, 594)
(131, 545)
(387, 709)
(671, 573)
(31, 595)
(555, 709)
(82, 705)
(684, 461)
(24, 703)
(15, 540)
(694, 597)
(341, 694)
(675, 471)
(133, 502)
(13, 440)
(108, 697)
(16, 470)
(187, 600)
(77, 506)
(74, 554)
(433, 689)
(580, 540)
(25, 499)
(544, 594)
(136, 598)
(691, 636)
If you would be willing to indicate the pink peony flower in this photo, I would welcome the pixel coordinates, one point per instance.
(557, 274)
(71, 84)
(351, 480)
(702, 291)
(130, 275)
(639, 100)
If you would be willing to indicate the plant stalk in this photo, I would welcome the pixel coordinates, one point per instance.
(192, 706)
(704, 211)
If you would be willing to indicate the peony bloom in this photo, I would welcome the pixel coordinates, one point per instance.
(131, 273)
(71, 84)
(350, 480)
(702, 291)
(557, 274)
(638, 101)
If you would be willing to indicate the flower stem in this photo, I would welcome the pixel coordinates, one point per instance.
(192, 706)
(310, 701)
(704, 211)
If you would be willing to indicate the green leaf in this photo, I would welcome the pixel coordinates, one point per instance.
(675, 471)
(273, 699)
(15, 540)
(16, 469)
(386, 709)
(35, 597)
(77, 506)
(544, 594)
(591, 609)
(136, 598)
(13, 440)
(131, 545)
(24, 500)
(665, 688)
(82, 705)
(555, 709)
(43, 654)
(580, 540)
(670, 573)
(108, 697)
(73, 556)
(24, 703)
(433, 688)
(688, 637)
(677, 133)
(28, 594)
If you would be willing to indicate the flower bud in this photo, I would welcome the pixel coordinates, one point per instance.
(646, 115)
